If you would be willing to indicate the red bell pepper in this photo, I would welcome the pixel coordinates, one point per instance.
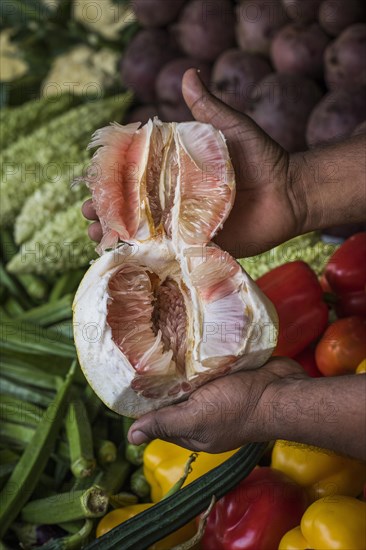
(297, 295)
(345, 273)
(256, 514)
(307, 360)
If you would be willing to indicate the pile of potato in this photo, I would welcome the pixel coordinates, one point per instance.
(297, 67)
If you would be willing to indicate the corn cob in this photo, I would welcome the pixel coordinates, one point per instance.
(50, 198)
(62, 244)
(16, 122)
(49, 151)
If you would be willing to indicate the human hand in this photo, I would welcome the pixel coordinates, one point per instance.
(223, 414)
(266, 211)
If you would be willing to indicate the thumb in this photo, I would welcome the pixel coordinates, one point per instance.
(168, 423)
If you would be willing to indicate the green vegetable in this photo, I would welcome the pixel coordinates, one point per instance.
(308, 248)
(50, 198)
(12, 307)
(60, 245)
(138, 483)
(34, 286)
(19, 411)
(16, 122)
(27, 472)
(79, 436)
(71, 506)
(49, 313)
(135, 453)
(30, 376)
(114, 476)
(45, 153)
(66, 284)
(106, 451)
(171, 513)
(8, 282)
(73, 541)
(31, 338)
(29, 394)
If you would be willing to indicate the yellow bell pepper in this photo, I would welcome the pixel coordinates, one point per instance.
(164, 465)
(120, 515)
(330, 523)
(320, 471)
(361, 369)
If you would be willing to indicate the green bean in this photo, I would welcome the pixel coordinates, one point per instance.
(71, 506)
(28, 470)
(31, 338)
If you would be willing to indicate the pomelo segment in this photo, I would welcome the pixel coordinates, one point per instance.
(163, 178)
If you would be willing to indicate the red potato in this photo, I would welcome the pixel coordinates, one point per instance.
(142, 114)
(281, 105)
(345, 59)
(156, 13)
(234, 75)
(257, 23)
(172, 107)
(336, 116)
(299, 49)
(337, 15)
(302, 11)
(146, 54)
(205, 28)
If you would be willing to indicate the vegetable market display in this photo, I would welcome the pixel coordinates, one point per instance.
(67, 473)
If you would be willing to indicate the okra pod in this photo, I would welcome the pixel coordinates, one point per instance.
(32, 395)
(14, 289)
(65, 328)
(49, 313)
(28, 470)
(66, 284)
(8, 456)
(71, 506)
(13, 307)
(56, 366)
(135, 453)
(79, 436)
(35, 287)
(20, 412)
(33, 339)
(92, 403)
(123, 499)
(138, 483)
(16, 434)
(31, 376)
(74, 541)
(106, 451)
(114, 476)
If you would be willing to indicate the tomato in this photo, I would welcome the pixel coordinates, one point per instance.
(342, 346)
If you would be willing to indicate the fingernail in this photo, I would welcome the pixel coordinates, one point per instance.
(137, 437)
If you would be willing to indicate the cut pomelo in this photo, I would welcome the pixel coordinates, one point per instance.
(165, 310)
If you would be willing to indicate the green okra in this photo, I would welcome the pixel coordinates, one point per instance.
(19, 411)
(31, 338)
(139, 484)
(106, 451)
(8, 456)
(13, 288)
(66, 284)
(74, 541)
(32, 395)
(28, 470)
(65, 328)
(71, 506)
(123, 499)
(13, 307)
(135, 453)
(92, 403)
(80, 439)
(114, 476)
(34, 286)
(49, 313)
(47, 363)
(31, 376)
(16, 434)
